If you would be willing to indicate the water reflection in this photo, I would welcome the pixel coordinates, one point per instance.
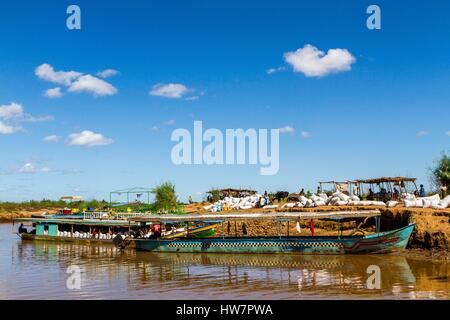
(109, 273)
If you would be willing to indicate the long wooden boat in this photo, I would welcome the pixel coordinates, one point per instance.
(379, 242)
(49, 229)
(376, 243)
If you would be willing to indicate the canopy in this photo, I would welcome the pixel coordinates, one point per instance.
(71, 198)
(257, 216)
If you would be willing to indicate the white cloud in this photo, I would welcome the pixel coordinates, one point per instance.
(306, 134)
(7, 129)
(157, 128)
(169, 122)
(193, 98)
(287, 129)
(30, 167)
(53, 93)
(274, 70)
(12, 110)
(315, 63)
(448, 133)
(88, 83)
(422, 133)
(47, 73)
(12, 114)
(51, 138)
(107, 73)
(88, 138)
(75, 81)
(169, 90)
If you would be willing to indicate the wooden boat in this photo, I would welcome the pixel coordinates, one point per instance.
(50, 229)
(380, 242)
(377, 243)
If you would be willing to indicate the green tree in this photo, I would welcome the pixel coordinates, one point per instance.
(441, 172)
(165, 196)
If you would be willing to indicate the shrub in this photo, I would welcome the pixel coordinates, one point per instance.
(165, 196)
(441, 172)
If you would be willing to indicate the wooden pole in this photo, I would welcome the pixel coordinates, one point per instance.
(279, 229)
(288, 228)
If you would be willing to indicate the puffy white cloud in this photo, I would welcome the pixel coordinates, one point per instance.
(30, 167)
(274, 70)
(422, 133)
(169, 90)
(53, 93)
(287, 129)
(107, 73)
(75, 81)
(12, 114)
(47, 72)
(12, 110)
(8, 129)
(51, 138)
(315, 63)
(88, 83)
(306, 134)
(88, 138)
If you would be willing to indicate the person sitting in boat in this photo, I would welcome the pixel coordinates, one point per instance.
(22, 229)
(302, 192)
(156, 230)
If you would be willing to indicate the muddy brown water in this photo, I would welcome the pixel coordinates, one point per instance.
(45, 270)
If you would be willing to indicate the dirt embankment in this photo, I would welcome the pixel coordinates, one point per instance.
(23, 213)
(432, 229)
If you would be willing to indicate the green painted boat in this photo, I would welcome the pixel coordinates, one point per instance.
(379, 242)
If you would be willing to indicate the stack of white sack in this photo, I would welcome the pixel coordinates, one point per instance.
(431, 201)
(426, 202)
(391, 203)
(336, 199)
(293, 205)
(443, 204)
(341, 199)
(248, 202)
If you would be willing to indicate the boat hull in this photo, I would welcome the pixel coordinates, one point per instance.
(377, 243)
(33, 237)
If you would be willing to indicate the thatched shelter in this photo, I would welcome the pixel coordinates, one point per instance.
(230, 192)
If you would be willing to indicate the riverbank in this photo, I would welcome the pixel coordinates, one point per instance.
(24, 213)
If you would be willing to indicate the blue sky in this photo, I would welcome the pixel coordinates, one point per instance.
(387, 114)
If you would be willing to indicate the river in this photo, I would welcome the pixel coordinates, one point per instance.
(46, 270)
